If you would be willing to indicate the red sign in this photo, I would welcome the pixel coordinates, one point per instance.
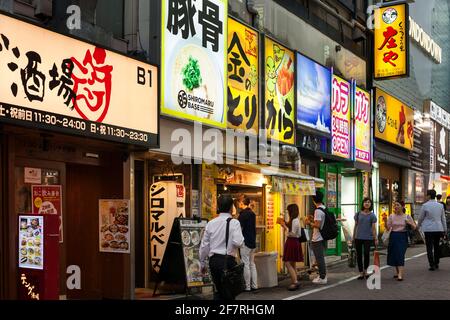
(180, 191)
(47, 201)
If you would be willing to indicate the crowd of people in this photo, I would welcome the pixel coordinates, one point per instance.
(241, 235)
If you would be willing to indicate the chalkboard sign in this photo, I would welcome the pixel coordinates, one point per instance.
(181, 261)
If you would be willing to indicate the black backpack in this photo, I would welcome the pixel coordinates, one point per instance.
(330, 228)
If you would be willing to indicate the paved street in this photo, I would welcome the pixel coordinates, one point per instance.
(419, 283)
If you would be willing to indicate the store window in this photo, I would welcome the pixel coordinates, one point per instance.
(349, 205)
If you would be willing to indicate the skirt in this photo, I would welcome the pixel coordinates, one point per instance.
(398, 243)
(292, 250)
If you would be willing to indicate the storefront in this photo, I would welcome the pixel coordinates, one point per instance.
(394, 123)
(67, 220)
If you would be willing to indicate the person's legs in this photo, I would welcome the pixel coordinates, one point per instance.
(429, 244)
(292, 272)
(254, 275)
(245, 257)
(216, 264)
(401, 270)
(366, 254)
(318, 249)
(436, 240)
(359, 257)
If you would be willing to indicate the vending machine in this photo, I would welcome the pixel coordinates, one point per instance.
(38, 257)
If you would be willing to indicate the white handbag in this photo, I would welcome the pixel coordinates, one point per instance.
(385, 237)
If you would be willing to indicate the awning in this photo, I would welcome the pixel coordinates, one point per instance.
(292, 182)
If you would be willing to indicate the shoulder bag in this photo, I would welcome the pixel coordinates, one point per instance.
(232, 280)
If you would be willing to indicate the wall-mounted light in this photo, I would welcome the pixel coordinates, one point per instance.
(91, 155)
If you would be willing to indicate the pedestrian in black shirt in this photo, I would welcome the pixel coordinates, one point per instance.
(247, 218)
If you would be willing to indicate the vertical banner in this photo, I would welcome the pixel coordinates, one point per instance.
(441, 149)
(194, 42)
(114, 225)
(243, 77)
(391, 54)
(340, 118)
(362, 133)
(167, 201)
(279, 115)
(47, 200)
(209, 191)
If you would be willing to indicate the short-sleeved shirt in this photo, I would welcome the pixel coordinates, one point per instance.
(364, 225)
(319, 215)
(397, 222)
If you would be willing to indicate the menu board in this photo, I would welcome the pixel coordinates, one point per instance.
(31, 242)
(191, 236)
(114, 225)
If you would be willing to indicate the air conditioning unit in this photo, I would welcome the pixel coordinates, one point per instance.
(43, 8)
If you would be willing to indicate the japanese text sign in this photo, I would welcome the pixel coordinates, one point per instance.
(279, 117)
(341, 117)
(394, 121)
(166, 203)
(362, 134)
(47, 200)
(391, 42)
(243, 93)
(441, 148)
(313, 95)
(194, 42)
(55, 82)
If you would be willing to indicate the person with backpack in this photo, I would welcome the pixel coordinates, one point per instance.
(364, 235)
(325, 228)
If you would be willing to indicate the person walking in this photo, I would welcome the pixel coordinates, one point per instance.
(439, 199)
(318, 244)
(433, 223)
(247, 218)
(398, 240)
(292, 248)
(364, 235)
(213, 246)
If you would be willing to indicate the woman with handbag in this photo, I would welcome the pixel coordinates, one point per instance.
(398, 239)
(364, 235)
(292, 248)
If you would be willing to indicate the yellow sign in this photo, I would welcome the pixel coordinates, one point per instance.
(394, 121)
(193, 60)
(391, 42)
(243, 94)
(362, 126)
(279, 116)
(383, 215)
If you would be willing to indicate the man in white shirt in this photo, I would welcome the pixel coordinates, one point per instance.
(213, 244)
(434, 225)
(318, 245)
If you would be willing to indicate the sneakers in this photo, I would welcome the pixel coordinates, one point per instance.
(319, 280)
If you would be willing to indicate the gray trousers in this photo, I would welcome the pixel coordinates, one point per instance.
(318, 249)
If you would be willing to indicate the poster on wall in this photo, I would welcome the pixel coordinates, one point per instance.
(191, 236)
(383, 214)
(331, 190)
(193, 60)
(47, 200)
(341, 118)
(75, 87)
(391, 42)
(313, 95)
(209, 191)
(417, 155)
(441, 149)
(33, 175)
(167, 202)
(362, 135)
(243, 77)
(31, 242)
(114, 225)
(419, 188)
(279, 115)
(394, 121)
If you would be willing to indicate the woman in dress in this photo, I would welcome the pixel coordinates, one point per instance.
(292, 248)
(398, 239)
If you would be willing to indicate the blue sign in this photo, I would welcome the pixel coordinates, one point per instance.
(313, 95)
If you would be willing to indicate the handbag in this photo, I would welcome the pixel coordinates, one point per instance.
(385, 237)
(232, 280)
(351, 257)
(444, 248)
(303, 238)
